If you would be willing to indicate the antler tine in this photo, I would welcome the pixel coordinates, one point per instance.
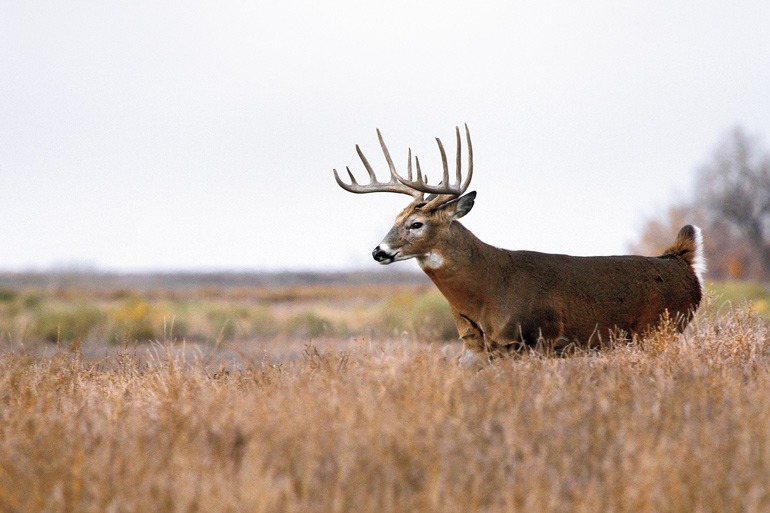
(445, 176)
(444, 188)
(352, 178)
(372, 177)
(419, 172)
(343, 184)
(470, 159)
(459, 151)
(409, 166)
(374, 185)
(387, 158)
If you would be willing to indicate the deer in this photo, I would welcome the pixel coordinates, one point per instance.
(504, 301)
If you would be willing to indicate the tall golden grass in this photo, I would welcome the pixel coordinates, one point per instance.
(671, 423)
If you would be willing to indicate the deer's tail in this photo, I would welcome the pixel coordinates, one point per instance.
(689, 247)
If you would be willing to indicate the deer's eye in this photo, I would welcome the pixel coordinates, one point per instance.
(415, 225)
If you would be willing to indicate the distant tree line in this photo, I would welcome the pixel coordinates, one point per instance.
(182, 280)
(731, 202)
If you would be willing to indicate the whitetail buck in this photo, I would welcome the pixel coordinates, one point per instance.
(503, 300)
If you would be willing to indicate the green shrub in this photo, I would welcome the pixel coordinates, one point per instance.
(176, 328)
(8, 295)
(32, 301)
(223, 324)
(66, 322)
(308, 324)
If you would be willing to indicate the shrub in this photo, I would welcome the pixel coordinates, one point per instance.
(308, 324)
(134, 319)
(8, 295)
(222, 323)
(65, 323)
(32, 301)
(175, 327)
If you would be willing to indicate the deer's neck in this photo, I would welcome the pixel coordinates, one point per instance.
(456, 265)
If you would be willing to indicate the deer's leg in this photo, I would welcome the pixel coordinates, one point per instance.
(474, 345)
(473, 337)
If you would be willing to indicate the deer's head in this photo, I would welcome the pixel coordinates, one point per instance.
(424, 224)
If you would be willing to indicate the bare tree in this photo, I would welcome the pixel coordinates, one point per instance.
(735, 188)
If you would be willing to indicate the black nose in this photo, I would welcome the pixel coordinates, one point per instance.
(379, 254)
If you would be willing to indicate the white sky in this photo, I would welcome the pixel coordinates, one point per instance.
(202, 135)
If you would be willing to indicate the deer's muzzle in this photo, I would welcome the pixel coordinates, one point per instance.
(382, 256)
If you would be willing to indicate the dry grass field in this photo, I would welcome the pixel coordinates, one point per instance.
(372, 418)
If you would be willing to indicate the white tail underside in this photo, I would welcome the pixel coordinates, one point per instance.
(699, 262)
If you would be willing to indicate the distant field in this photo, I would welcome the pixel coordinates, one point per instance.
(96, 310)
(233, 408)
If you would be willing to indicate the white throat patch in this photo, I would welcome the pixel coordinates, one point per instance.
(431, 261)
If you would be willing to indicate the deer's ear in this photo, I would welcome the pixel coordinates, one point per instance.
(457, 208)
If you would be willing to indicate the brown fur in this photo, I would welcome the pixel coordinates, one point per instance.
(560, 298)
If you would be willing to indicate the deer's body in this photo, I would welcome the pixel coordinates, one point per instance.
(503, 299)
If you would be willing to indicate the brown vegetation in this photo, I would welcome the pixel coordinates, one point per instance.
(669, 423)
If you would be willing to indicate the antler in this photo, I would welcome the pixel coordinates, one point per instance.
(440, 193)
(394, 185)
(444, 191)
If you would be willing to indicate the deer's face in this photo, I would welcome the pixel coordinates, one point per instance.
(419, 232)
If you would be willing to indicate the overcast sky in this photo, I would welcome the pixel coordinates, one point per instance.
(202, 135)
